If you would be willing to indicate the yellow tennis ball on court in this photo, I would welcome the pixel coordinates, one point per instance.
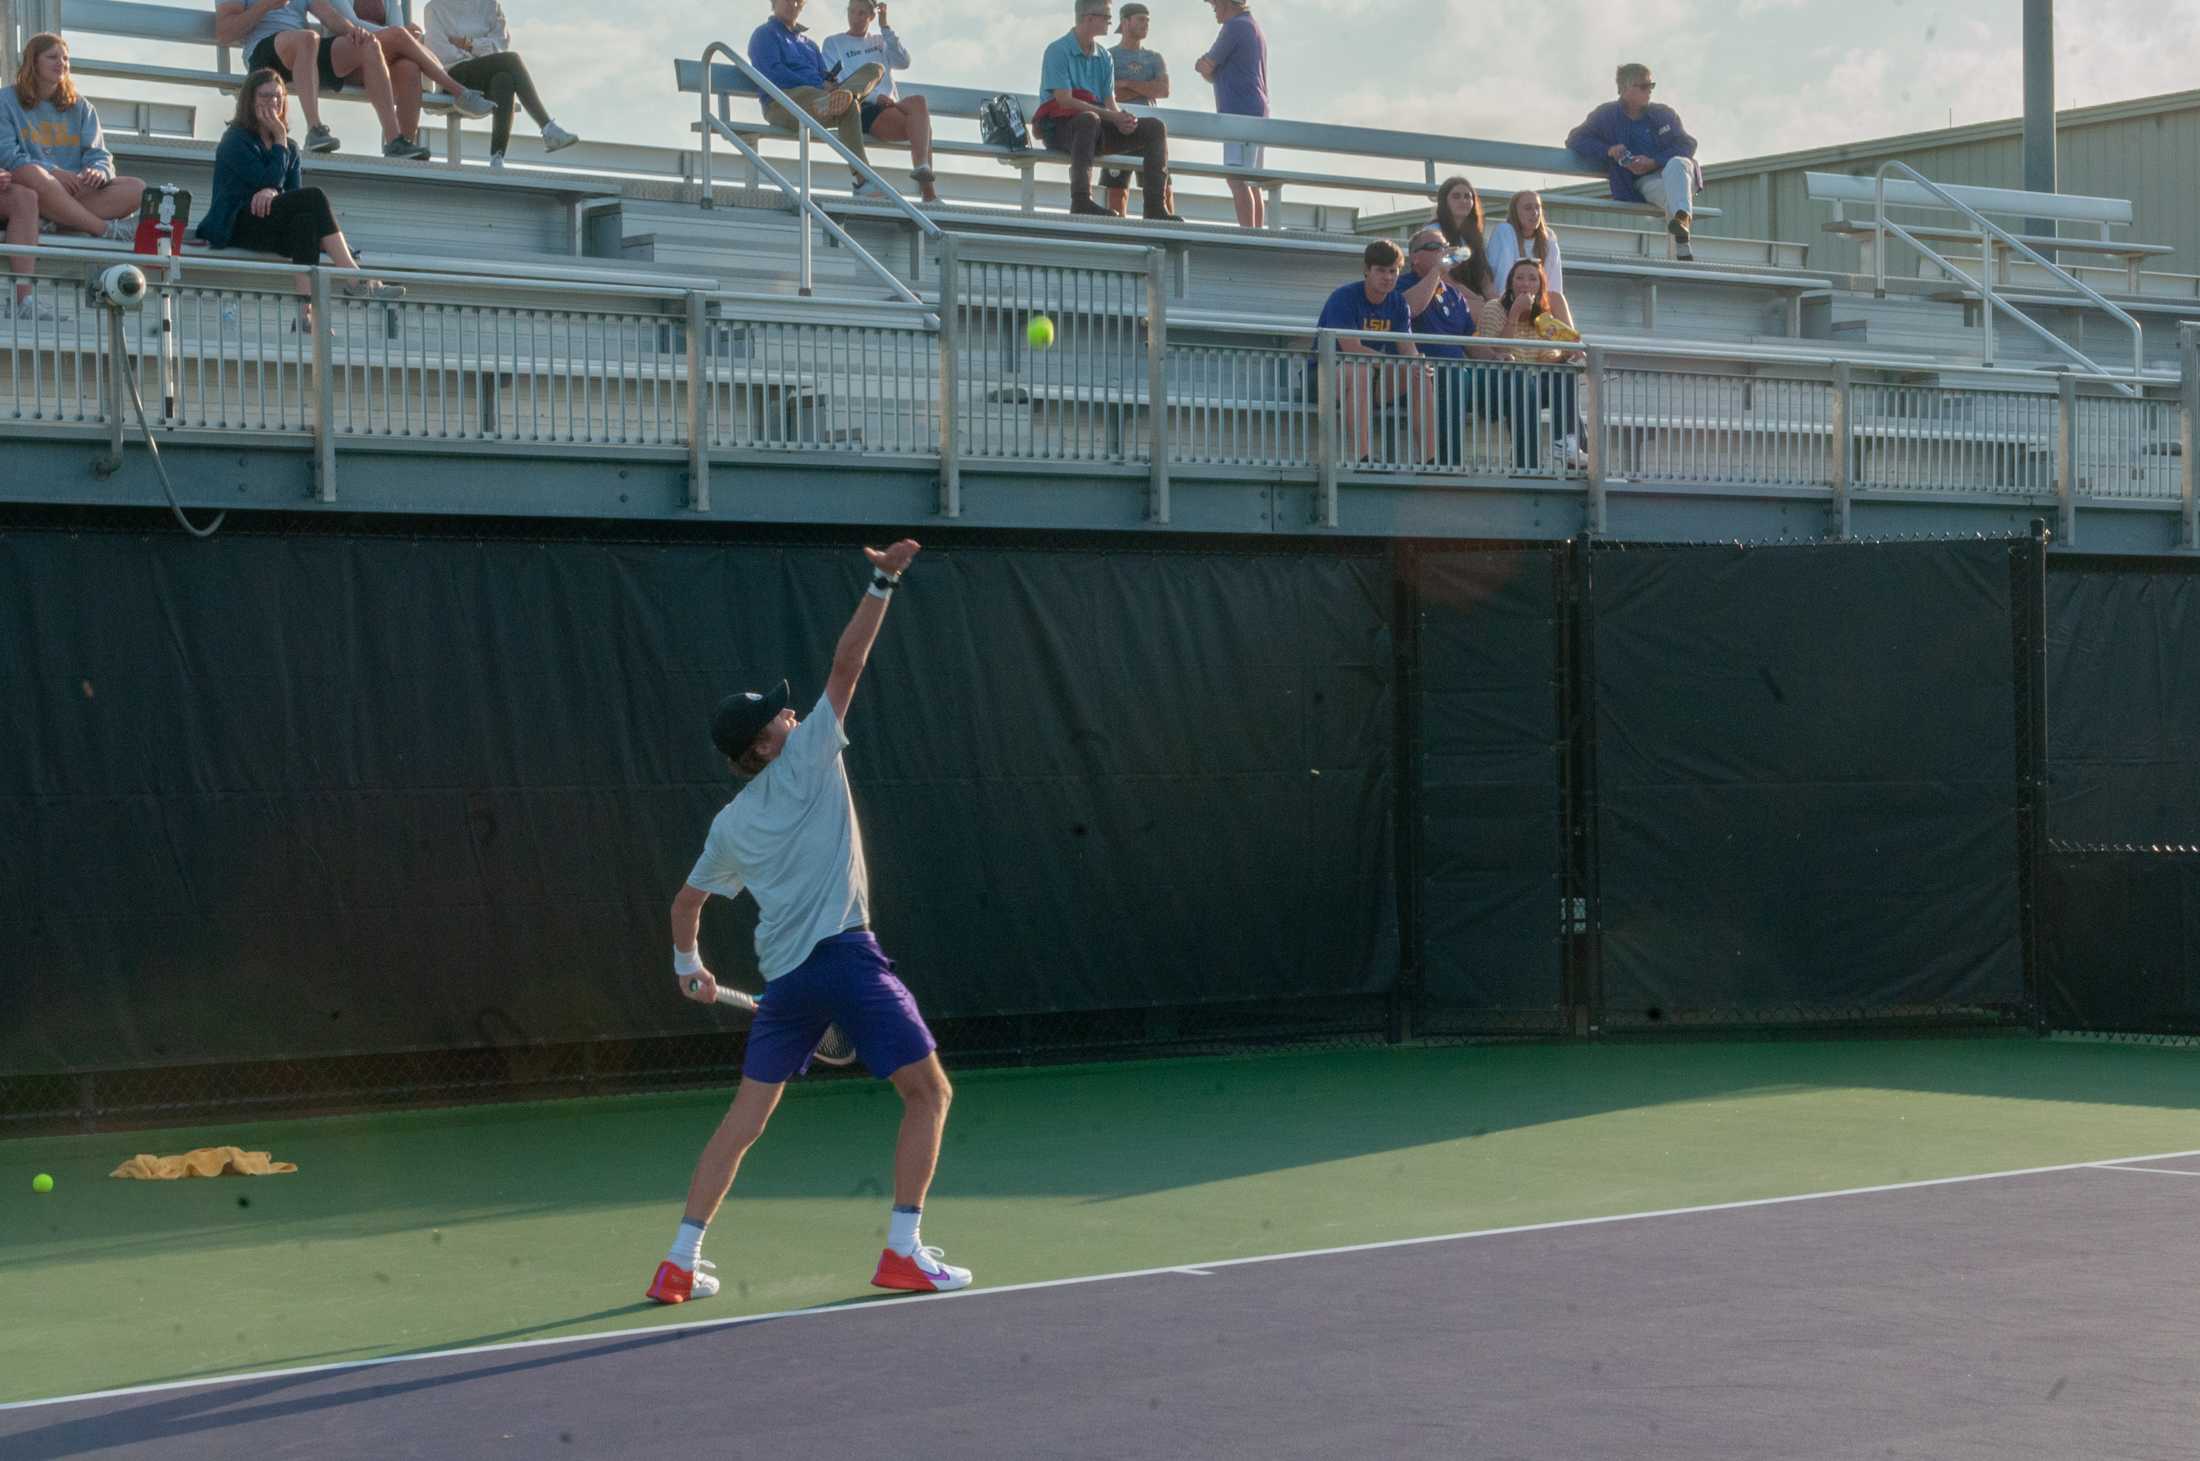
(41, 1183)
(1040, 332)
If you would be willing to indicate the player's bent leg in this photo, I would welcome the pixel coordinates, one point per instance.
(906, 1263)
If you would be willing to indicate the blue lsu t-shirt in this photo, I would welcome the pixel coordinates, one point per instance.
(1350, 309)
(1447, 314)
(1066, 67)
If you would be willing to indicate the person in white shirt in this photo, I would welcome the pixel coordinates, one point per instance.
(887, 114)
(472, 41)
(790, 839)
(1526, 231)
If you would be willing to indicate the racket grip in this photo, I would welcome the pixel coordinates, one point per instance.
(737, 999)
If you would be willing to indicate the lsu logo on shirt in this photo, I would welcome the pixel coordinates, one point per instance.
(1377, 326)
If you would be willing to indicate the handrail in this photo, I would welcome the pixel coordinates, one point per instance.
(175, 265)
(808, 126)
(1986, 292)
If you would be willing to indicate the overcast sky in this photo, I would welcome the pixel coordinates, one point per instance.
(1748, 76)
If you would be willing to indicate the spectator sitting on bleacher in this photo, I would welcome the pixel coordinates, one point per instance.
(472, 41)
(791, 61)
(19, 213)
(1141, 75)
(50, 143)
(887, 114)
(1078, 115)
(1647, 153)
(257, 203)
(1459, 220)
(1441, 312)
(1237, 65)
(1526, 232)
(386, 63)
(1527, 310)
(1375, 302)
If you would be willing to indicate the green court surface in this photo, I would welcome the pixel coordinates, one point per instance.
(479, 1225)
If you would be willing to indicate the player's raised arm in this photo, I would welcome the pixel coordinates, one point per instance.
(854, 649)
(687, 959)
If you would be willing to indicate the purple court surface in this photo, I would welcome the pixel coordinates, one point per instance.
(2049, 1314)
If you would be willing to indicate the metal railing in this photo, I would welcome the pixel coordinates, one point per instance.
(806, 127)
(1991, 299)
(557, 366)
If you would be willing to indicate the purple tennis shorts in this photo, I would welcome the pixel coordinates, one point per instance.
(847, 981)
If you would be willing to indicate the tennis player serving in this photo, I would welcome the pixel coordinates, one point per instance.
(790, 837)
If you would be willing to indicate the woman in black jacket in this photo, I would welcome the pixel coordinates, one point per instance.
(257, 201)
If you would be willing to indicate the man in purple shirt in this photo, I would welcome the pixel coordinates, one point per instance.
(792, 62)
(1237, 64)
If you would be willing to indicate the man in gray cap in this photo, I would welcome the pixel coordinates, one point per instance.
(790, 840)
(1141, 75)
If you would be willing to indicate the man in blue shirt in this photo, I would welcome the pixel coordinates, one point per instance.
(791, 61)
(1374, 303)
(1646, 152)
(1440, 314)
(1237, 64)
(1078, 115)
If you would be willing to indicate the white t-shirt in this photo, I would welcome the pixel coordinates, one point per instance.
(1504, 245)
(846, 54)
(790, 837)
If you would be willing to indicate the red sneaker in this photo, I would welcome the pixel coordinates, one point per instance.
(676, 1285)
(921, 1272)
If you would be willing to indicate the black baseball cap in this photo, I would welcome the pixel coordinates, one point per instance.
(740, 717)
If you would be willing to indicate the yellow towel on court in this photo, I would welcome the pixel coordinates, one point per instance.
(207, 1161)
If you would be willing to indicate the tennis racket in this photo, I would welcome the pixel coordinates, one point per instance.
(833, 1048)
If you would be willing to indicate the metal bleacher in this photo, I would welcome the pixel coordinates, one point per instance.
(582, 336)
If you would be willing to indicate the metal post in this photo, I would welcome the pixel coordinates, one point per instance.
(950, 368)
(2066, 460)
(2188, 366)
(324, 392)
(803, 217)
(698, 405)
(118, 409)
(1837, 445)
(1157, 384)
(2039, 108)
(1325, 420)
(1593, 392)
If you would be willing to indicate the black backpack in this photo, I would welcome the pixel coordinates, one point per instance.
(1001, 123)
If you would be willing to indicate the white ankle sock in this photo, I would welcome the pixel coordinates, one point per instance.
(687, 1245)
(901, 1229)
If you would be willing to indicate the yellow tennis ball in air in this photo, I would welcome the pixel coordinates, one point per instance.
(1040, 332)
(41, 1183)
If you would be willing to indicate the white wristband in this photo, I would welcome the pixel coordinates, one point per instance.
(686, 962)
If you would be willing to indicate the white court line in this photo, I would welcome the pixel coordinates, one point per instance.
(2165, 1171)
(649, 1330)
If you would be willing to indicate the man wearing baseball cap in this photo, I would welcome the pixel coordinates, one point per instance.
(790, 837)
(1141, 75)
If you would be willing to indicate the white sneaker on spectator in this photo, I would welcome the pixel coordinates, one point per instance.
(373, 289)
(321, 139)
(30, 311)
(471, 103)
(404, 147)
(496, 162)
(121, 230)
(1575, 456)
(555, 138)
